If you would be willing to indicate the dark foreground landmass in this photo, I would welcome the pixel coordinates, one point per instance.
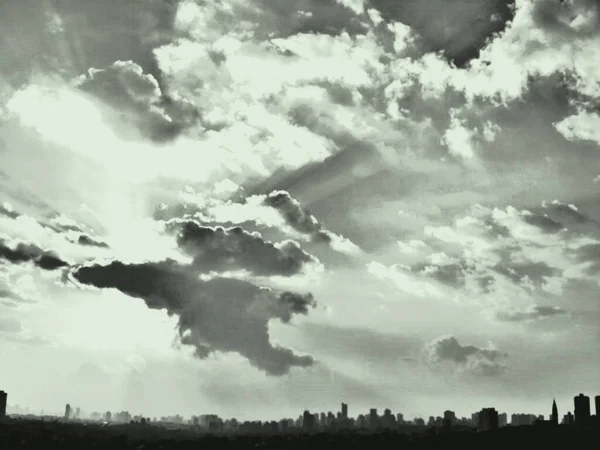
(39, 435)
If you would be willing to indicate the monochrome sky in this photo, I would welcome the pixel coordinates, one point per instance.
(256, 207)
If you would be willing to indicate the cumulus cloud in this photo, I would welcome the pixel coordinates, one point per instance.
(221, 314)
(534, 312)
(301, 220)
(22, 252)
(522, 245)
(49, 230)
(294, 214)
(86, 240)
(542, 38)
(505, 262)
(277, 210)
(447, 351)
(459, 140)
(224, 249)
(582, 126)
(139, 100)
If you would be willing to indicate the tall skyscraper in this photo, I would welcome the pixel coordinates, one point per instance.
(582, 410)
(373, 419)
(554, 415)
(344, 410)
(3, 400)
(308, 423)
(67, 411)
(488, 419)
(597, 404)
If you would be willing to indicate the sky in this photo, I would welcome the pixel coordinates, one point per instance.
(256, 207)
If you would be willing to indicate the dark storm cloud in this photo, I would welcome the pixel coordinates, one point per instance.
(476, 360)
(535, 271)
(297, 216)
(88, 241)
(138, 99)
(25, 252)
(535, 312)
(553, 217)
(557, 16)
(222, 314)
(223, 249)
(544, 223)
(457, 28)
(590, 254)
(571, 218)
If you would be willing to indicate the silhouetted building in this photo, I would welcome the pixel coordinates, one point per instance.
(502, 420)
(344, 410)
(597, 405)
(308, 421)
(450, 416)
(67, 411)
(330, 418)
(3, 401)
(554, 415)
(107, 416)
(568, 419)
(488, 419)
(388, 419)
(582, 410)
(522, 419)
(373, 419)
(361, 421)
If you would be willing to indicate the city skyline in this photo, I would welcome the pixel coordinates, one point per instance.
(263, 206)
(584, 408)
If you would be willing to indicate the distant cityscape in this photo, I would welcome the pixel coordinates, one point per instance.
(486, 419)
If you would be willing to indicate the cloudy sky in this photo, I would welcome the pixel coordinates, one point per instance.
(256, 207)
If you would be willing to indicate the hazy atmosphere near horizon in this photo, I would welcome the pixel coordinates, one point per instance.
(256, 207)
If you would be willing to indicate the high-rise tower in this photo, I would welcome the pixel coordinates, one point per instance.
(582, 410)
(554, 415)
(3, 398)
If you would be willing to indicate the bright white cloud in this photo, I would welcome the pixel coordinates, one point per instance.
(584, 126)
(459, 140)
